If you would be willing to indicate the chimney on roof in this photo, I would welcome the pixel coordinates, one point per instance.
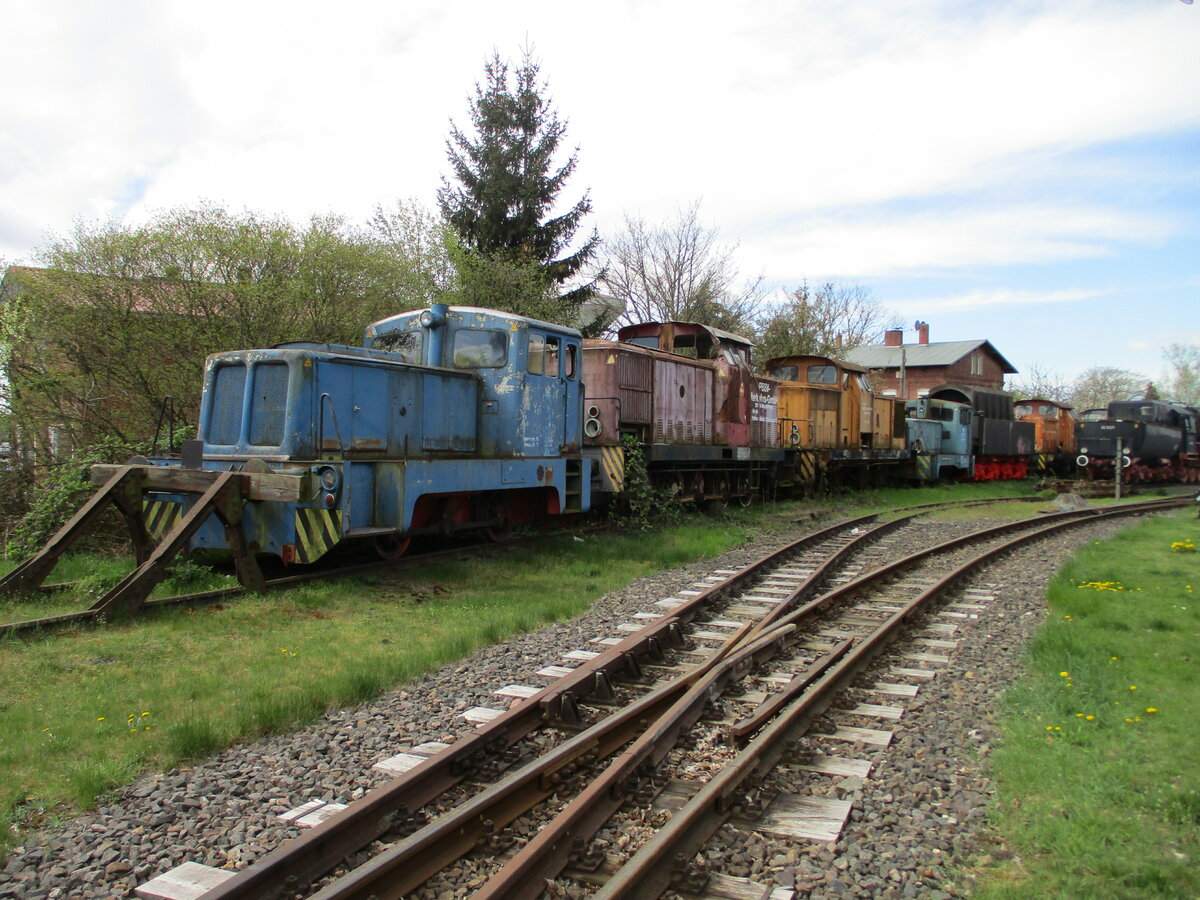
(922, 332)
(893, 338)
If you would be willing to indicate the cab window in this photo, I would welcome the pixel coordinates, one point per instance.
(543, 355)
(822, 375)
(479, 349)
(405, 343)
(785, 373)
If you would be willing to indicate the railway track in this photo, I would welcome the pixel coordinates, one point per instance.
(93, 616)
(566, 759)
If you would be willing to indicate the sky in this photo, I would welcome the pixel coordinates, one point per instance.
(1021, 171)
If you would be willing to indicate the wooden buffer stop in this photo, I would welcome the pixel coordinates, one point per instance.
(221, 493)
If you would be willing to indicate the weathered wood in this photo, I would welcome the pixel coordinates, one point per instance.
(262, 485)
(814, 818)
(184, 882)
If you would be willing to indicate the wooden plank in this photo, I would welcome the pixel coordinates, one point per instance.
(520, 691)
(429, 748)
(936, 644)
(942, 628)
(872, 736)
(805, 818)
(171, 479)
(399, 764)
(895, 689)
(927, 657)
(555, 671)
(581, 655)
(185, 882)
(876, 711)
(836, 765)
(669, 602)
(730, 887)
(481, 714)
(921, 674)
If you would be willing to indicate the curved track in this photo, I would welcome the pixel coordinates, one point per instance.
(564, 761)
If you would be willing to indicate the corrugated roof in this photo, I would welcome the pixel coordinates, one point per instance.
(943, 353)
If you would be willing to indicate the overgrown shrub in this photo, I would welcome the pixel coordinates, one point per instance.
(58, 493)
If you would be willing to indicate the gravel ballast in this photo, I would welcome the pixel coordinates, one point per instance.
(924, 803)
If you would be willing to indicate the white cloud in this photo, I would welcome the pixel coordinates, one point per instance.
(773, 113)
(876, 244)
(982, 299)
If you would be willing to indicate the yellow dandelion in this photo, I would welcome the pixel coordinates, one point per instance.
(1151, 709)
(1079, 715)
(1090, 718)
(1064, 675)
(1133, 687)
(145, 714)
(99, 718)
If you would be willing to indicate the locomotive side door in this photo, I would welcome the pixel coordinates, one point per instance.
(544, 409)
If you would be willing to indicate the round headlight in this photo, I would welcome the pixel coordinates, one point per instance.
(1081, 460)
(328, 477)
(427, 318)
(592, 428)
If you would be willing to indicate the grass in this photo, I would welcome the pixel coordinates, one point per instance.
(83, 713)
(1098, 787)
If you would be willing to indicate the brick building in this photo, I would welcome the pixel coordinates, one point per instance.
(909, 371)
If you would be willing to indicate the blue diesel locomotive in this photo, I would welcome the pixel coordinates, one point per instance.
(447, 419)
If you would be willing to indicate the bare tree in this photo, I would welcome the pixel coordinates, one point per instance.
(678, 272)
(1183, 379)
(1042, 383)
(826, 320)
(1100, 385)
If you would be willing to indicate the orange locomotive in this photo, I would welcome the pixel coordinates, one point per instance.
(1053, 437)
(841, 430)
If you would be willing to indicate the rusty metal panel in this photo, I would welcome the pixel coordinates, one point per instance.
(635, 384)
(683, 412)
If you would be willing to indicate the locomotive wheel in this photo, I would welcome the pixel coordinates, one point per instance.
(391, 546)
(503, 528)
(745, 494)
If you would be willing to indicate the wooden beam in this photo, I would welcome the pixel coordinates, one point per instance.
(174, 480)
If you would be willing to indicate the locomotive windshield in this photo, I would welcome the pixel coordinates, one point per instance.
(785, 373)
(822, 375)
(406, 343)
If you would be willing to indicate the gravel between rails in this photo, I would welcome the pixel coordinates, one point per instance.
(923, 805)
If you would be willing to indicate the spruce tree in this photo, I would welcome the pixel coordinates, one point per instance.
(501, 204)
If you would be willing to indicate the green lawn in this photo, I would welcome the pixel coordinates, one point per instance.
(1097, 771)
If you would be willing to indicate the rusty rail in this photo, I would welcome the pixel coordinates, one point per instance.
(309, 856)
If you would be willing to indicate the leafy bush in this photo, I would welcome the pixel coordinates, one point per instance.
(56, 497)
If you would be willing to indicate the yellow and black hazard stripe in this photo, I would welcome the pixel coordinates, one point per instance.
(810, 474)
(612, 466)
(924, 466)
(160, 517)
(317, 530)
